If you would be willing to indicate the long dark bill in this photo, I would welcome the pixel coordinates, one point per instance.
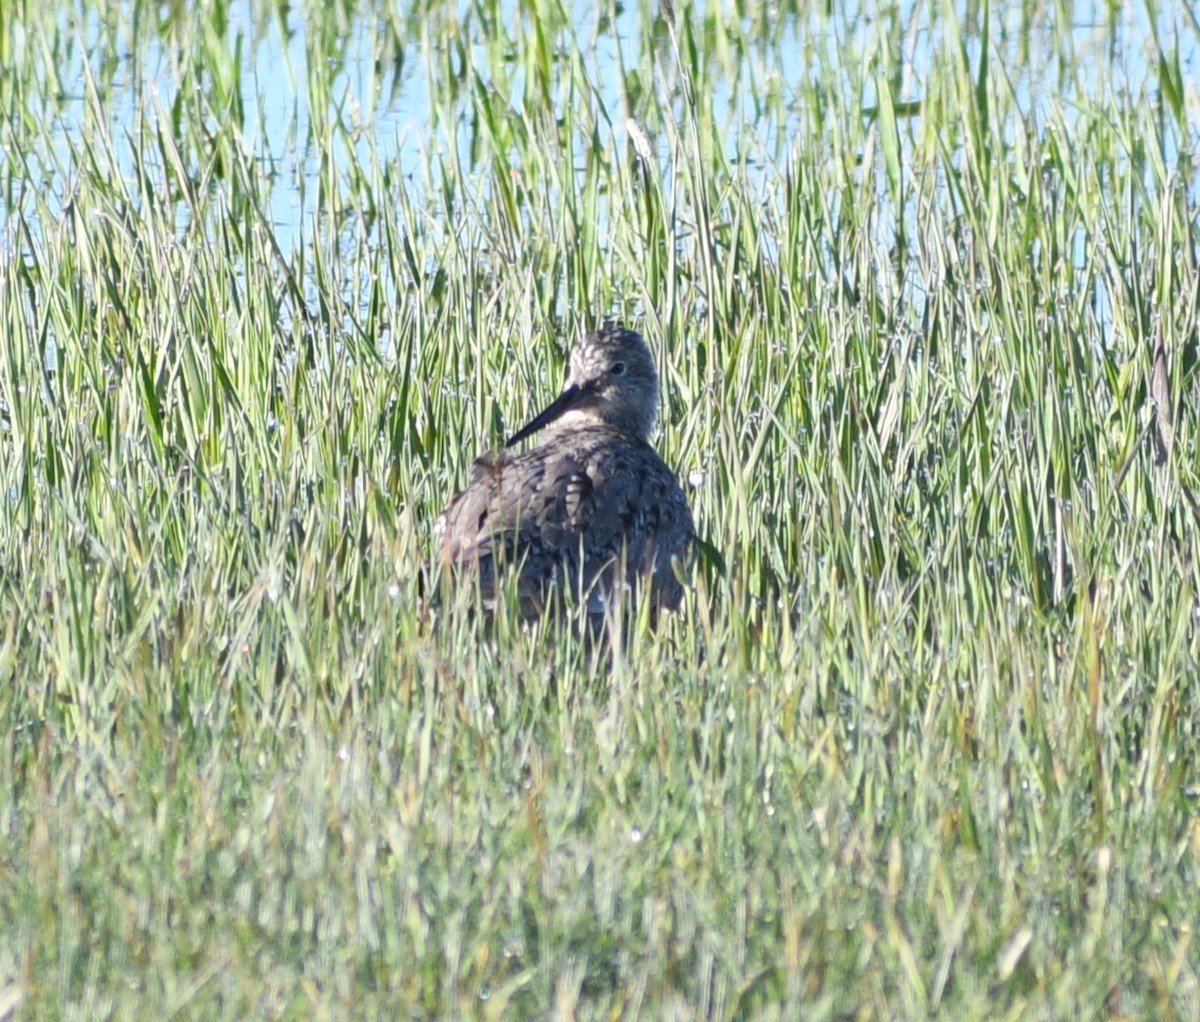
(565, 401)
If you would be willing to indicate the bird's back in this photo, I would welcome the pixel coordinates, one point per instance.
(569, 513)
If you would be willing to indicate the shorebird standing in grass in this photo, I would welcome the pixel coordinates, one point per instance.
(591, 511)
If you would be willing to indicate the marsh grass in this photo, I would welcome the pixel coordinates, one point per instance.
(924, 738)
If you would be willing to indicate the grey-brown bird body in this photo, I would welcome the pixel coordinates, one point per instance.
(590, 509)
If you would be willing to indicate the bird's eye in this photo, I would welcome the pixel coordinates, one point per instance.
(617, 369)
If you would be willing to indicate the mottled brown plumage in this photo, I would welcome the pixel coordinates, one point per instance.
(590, 508)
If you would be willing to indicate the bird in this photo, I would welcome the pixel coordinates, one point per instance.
(591, 512)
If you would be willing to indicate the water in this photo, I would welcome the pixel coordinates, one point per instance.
(381, 70)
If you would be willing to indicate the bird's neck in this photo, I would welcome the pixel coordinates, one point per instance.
(577, 419)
